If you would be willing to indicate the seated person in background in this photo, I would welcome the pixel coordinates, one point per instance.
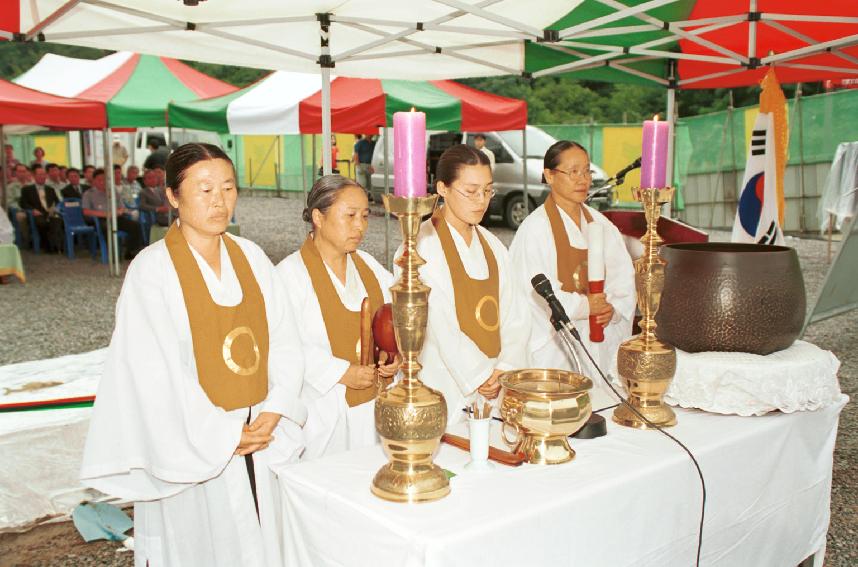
(153, 199)
(54, 180)
(160, 177)
(88, 170)
(75, 189)
(97, 204)
(39, 155)
(158, 156)
(125, 200)
(131, 181)
(63, 171)
(13, 197)
(11, 161)
(42, 200)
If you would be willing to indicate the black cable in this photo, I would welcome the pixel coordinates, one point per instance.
(574, 332)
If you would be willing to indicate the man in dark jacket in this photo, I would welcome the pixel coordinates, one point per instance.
(158, 157)
(42, 200)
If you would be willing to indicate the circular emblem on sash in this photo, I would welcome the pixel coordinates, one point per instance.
(579, 278)
(227, 352)
(478, 313)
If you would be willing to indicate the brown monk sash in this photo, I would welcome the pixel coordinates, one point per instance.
(571, 261)
(230, 343)
(342, 325)
(477, 307)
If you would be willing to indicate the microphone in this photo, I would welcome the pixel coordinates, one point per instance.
(559, 318)
(621, 175)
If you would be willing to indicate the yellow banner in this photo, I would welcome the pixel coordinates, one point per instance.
(56, 147)
(621, 146)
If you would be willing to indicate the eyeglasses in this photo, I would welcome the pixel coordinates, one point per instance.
(574, 172)
(478, 195)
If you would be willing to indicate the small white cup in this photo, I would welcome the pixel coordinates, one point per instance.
(479, 432)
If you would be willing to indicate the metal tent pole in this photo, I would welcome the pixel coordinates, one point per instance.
(671, 119)
(524, 167)
(326, 63)
(387, 263)
(112, 236)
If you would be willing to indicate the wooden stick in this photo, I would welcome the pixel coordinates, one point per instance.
(366, 345)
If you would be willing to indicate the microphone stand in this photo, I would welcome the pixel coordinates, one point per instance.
(567, 332)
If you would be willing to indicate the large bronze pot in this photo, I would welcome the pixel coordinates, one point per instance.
(721, 296)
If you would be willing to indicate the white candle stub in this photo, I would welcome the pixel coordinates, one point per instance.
(595, 252)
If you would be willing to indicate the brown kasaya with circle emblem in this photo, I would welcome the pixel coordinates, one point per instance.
(571, 261)
(342, 325)
(230, 343)
(477, 307)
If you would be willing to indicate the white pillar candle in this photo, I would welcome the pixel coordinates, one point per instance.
(595, 252)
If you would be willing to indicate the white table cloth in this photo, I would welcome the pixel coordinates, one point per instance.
(630, 498)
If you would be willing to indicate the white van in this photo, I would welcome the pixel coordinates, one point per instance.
(508, 203)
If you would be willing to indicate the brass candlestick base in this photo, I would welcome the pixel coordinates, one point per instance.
(410, 417)
(646, 364)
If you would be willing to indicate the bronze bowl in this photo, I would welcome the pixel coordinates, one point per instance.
(721, 296)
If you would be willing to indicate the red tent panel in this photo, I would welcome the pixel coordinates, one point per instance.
(357, 107)
(485, 111)
(10, 16)
(201, 84)
(735, 38)
(106, 89)
(20, 105)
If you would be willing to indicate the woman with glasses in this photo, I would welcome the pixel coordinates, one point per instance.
(478, 322)
(553, 241)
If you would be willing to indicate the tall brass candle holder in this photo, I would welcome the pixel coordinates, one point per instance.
(410, 417)
(646, 364)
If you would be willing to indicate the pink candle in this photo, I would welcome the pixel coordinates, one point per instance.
(409, 154)
(654, 153)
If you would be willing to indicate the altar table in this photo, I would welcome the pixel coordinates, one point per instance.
(630, 498)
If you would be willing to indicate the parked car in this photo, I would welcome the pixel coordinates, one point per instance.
(508, 203)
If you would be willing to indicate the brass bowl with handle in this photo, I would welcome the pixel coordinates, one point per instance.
(544, 407)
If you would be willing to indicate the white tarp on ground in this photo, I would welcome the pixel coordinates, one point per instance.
(840, 195)
(42, 449)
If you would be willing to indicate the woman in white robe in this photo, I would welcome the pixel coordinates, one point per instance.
(327, 281)
(188, 420)
(478, 323)
(561, 224)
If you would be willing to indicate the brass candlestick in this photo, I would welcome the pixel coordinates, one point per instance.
(410, 417)
(646, 364)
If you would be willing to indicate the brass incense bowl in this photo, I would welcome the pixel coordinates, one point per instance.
(544, 407)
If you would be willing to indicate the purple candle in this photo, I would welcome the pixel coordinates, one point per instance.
(654, 153)
(409, 154)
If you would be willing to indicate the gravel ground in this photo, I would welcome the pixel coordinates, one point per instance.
(67, 307)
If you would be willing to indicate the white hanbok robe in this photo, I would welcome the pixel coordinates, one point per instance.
(533, 252)
(452, 362)
(332, 426)
(156, 439)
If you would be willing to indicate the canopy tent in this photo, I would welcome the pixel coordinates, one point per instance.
(20, 106)
(715, 43)
(135, 88)
(290, 103)
(444, 39)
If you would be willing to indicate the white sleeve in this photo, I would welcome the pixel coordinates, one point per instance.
(619, 276)
(286, 362)
(153, 431)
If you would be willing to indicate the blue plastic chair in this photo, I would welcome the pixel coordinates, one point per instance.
(102, 241)
(72, 213)
(147, 220)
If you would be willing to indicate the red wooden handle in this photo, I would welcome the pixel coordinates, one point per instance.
(597, 332)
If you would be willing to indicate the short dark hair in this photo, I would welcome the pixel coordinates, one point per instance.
(480, 137)
(72, 169)
(153, 143)
(117, 166)
(324, 193)
(98, 171)
(37, 166)
(552, 156)
(51, 166)
(187, 155)
(21, 164)
(456, 157)
(88, 166)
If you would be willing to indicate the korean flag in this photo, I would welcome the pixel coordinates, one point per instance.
(757, 213)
